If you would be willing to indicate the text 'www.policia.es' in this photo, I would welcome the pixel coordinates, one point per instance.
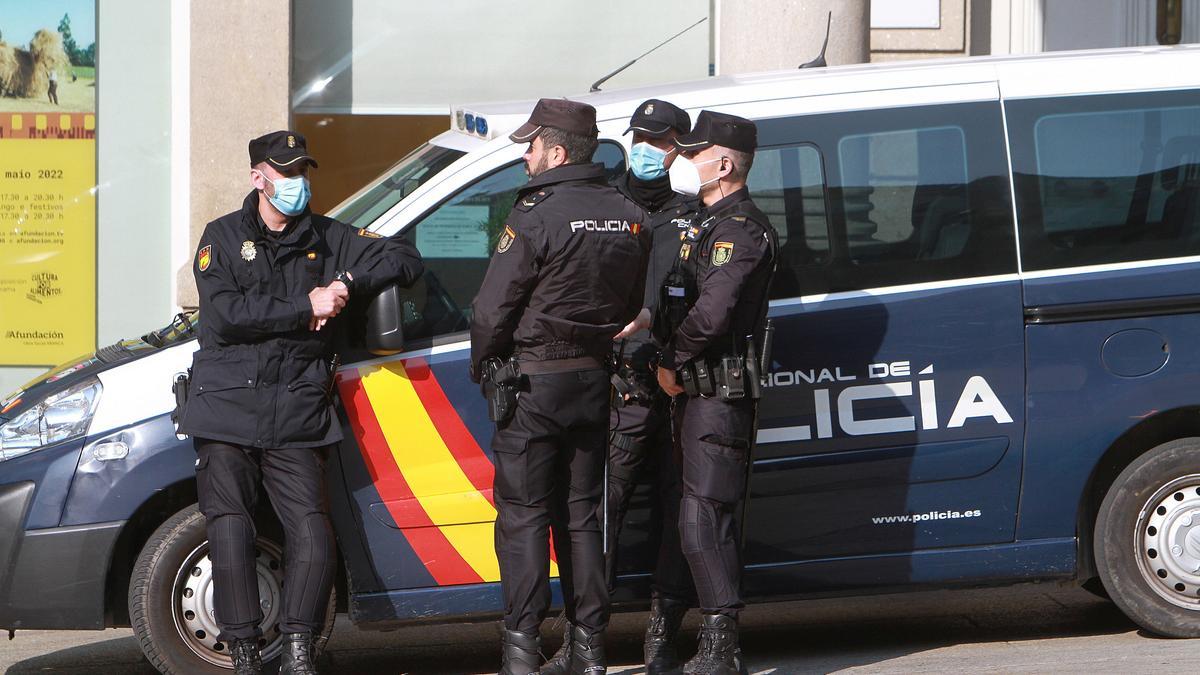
(922, 517)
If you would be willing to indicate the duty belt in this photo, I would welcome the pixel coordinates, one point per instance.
(561, 365)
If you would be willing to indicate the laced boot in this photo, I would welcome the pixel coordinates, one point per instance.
(560, 663)
(719, 653)
(587, 653)
(520, 653)
(247, 660)
(659, 653)
(299, 655)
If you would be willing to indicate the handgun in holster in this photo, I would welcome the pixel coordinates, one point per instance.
(630, 385)
(501, 382)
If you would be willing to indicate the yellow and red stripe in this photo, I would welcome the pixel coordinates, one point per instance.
(430, 472)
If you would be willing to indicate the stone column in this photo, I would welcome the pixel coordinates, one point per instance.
(755, 35)
(240, 87)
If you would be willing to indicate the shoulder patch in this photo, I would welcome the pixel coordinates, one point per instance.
(204, 258)
(506, 240)
(722, 252)
(534, 198)
(364, 232)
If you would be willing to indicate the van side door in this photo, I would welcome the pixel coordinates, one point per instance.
(417, 461)
(893, 422)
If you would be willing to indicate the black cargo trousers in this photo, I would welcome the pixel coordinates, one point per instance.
(641, 444)
(713, 437)
(227, 479)
(550, 474)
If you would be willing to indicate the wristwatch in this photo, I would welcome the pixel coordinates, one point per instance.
(344, 277)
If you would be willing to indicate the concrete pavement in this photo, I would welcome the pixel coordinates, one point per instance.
(1025, 629)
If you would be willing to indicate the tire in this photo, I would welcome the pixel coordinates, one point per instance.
(1095, 586)
(170, 599)
(1147, 540)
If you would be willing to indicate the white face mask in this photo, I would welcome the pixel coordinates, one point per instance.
(685, 177)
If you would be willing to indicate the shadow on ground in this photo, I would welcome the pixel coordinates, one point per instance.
(794, 637)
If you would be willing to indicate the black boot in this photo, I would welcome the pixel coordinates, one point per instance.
(299, 655)
(560, 663)
(520, 653)
(659, 648)
(719, 653)
(587, 653)
(247, 660)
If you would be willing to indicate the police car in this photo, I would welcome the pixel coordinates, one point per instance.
(986, 367)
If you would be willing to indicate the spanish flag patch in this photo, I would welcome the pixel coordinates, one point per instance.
(204, 259)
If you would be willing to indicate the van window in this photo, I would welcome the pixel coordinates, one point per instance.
(788, 184)
(1106, 179)
(913, 195)
(456, 241)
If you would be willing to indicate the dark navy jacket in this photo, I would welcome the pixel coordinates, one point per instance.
(261, 377)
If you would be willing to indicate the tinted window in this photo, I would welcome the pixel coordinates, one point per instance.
(913, 195)
(456, 240)
(1105, 179)
(788, 184)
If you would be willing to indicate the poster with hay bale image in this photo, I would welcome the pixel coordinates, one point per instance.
(43, 67)
(47, 180)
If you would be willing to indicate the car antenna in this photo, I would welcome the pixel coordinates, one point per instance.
(597, 83)
(819, 62)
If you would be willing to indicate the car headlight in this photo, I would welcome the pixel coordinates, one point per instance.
(61, 417)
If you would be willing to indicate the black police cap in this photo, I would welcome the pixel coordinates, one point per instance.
(656, 118)
(714, 128)
(573, 116)
(282, 149)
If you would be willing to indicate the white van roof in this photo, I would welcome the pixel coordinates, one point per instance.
(1020, 76)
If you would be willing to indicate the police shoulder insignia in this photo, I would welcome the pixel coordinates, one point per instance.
(249, 253)
(506, 240)
(722, 252)
(204, 259)
(534, 198)
(684, 251)
(364, 232)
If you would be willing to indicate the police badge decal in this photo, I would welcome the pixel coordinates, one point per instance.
(249, 253)
(722, 252)
(506, 240)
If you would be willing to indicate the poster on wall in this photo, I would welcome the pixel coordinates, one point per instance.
(47, 180)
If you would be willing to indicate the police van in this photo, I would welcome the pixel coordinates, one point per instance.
(986, 367)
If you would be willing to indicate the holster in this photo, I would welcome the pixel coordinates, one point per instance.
(501, 382)
(179, 387)
(632, 386)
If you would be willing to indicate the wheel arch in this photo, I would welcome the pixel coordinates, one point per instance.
(1147, 434)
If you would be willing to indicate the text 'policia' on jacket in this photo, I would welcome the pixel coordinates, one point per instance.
(261, 376)
(568, 225)
(730, 254)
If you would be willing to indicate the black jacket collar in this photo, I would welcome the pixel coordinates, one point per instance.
(655, 195)
(298, 232)
(728, 202)
(564, 174)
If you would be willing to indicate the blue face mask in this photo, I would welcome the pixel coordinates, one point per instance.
(646, 161)
(291, 194)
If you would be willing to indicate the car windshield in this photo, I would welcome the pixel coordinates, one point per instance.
(410, 173)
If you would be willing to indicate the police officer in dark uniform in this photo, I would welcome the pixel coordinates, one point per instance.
(567, 274)
(270, 276)
(641, 419)
(712, 317)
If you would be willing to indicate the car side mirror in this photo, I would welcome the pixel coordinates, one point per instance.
(384, 333)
